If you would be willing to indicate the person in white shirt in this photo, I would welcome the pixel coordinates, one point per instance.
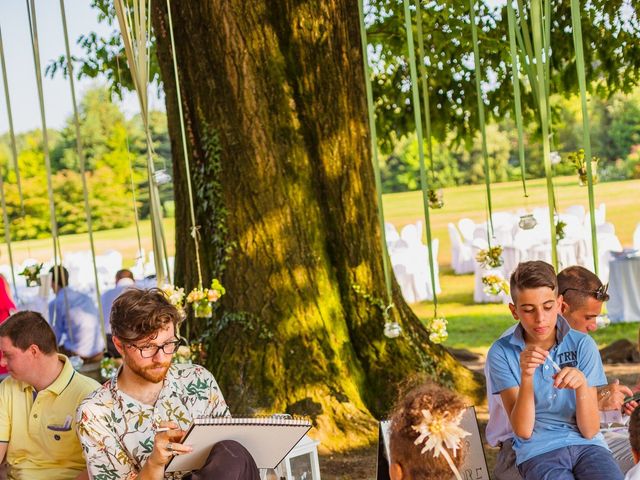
(583, 295)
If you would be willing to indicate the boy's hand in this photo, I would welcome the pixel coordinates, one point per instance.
(569, 377)
(530, 359)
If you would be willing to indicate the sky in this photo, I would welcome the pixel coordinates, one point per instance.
(81, 19)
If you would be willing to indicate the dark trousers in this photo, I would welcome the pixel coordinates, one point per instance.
(228, 460)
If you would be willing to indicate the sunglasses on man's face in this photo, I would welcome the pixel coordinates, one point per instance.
(600, 294)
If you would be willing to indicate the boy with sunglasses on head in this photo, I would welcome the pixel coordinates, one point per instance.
(546, 375)
(132, 426)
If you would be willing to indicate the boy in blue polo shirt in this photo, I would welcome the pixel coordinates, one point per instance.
(547, 374)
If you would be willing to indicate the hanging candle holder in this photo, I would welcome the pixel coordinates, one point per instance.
(161, 177)
(435, 198)
(603, 321)
(202, 309)
(527, 222)
(392, 329)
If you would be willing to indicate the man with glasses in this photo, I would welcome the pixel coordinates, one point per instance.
(132, 426)
(582, 297)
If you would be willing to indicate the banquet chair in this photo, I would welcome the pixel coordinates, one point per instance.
(409, 234)
(606, 227)
(391, 235)
(577, 211)
(466, 227)
(599, 216)
(461, 257)
(411, 266)
(607, 243)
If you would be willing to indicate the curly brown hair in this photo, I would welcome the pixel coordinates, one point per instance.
(139, 313)
(406, 414)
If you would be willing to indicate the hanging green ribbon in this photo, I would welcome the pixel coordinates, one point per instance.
(515, 74)
(481, 118)
(418, 121)
(425, 92)
(537, 28)
(134, 26)
(57, 251)
(374, 154)
(582, 82)
(185, 150)
(83, 173)
(134, 201)
(12, 135)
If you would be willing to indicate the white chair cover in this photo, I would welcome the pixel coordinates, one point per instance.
(410, 263)
(577, 211)
(461, 257)
(466, 227)
(606, 227)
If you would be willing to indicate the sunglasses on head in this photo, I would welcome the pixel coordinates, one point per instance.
(600, 294)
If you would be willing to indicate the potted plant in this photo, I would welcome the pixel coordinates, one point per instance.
(32, 274)
(491, 257)
(580, 163)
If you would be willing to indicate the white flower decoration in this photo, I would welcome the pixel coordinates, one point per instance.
(439, 432)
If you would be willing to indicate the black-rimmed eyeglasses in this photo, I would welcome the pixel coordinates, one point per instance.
(148, 351)
(600, 294)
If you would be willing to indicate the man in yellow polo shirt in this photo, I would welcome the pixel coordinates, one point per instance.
(38, 403)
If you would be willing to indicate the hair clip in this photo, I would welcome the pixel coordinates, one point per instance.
(439, 432)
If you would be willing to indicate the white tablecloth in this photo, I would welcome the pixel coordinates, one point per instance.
(624, 290)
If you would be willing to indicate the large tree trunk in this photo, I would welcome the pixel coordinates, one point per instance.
(274, 102)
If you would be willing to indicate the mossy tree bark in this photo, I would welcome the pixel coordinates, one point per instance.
(274, 104)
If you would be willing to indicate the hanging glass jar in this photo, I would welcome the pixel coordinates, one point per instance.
(527, 222)
(202, 309)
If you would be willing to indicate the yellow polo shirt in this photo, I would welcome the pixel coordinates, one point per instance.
(41, 429)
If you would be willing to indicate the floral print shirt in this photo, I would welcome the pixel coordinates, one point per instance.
(117, 431)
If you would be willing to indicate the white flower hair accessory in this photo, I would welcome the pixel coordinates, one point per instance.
(439, 432)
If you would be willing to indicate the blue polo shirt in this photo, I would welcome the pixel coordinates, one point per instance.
(555, 423)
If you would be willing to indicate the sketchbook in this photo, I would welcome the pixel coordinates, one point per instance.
(268, 439)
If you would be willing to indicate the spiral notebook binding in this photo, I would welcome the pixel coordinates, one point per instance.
(256, 420)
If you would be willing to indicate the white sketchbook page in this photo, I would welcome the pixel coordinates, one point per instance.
(267, 443)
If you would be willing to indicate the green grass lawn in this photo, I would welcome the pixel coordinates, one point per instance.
(476, 326)
(470, 326)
